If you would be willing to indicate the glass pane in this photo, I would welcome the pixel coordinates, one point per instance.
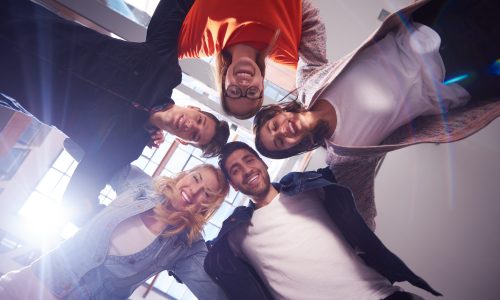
(176, 289)
(164, 281)
(222, 213)
(141, 162)
(58, 191)
(49, 181)
(177, 161)
(150, 168)
(210, 231)
(193, 162)
(63, 162)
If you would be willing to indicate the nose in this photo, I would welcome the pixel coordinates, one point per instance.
(187, 124)
(196, 191)
(278, 132)
(246, 169)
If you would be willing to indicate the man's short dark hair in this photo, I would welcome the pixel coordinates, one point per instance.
(228, 149)
(215, 145)
(310, 142)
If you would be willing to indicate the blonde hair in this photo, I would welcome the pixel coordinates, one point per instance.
(193, 217)
(222, 61)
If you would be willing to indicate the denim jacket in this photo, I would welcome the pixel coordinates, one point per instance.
(240, 280)
(80, 268)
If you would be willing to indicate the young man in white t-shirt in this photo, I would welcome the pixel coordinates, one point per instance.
(299, 239)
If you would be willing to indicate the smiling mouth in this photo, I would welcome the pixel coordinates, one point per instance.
(252, 179)
(291, 129)
(180, 122)
(185, 197)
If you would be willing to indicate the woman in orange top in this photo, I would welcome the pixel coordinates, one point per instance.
(241, 37)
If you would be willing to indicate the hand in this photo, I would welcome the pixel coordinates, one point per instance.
(157, 138)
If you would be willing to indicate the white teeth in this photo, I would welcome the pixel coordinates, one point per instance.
(252, 179)
(243, 74)
(292, 130)
(185, 197)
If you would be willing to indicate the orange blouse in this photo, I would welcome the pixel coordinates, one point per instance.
(212, 25)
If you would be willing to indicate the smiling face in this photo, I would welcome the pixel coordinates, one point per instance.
(248, 174)
(197, 186)
(283, 131)
(243, 74)
(188, 124)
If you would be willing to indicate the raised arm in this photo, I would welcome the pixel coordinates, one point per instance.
(121, 147)
(166, 22)
(312, 48)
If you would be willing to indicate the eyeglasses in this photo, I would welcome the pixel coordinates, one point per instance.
(234, 91)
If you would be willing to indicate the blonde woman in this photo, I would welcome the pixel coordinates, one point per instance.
(153, 225)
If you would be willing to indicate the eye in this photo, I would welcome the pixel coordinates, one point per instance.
(200, 119)
(196, 179)
(253, 92)
(274, 126)
(233, 91)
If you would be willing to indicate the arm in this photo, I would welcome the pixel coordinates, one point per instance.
(166, 22)
(190, 271)
(340, 206)
(312, 48)
(122, 146)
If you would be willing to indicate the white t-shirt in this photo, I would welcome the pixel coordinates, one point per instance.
(300, 254)
(389, 84)
(130, 236)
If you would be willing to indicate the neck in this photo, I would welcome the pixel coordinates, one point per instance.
(161, 119)
(241, 50)
(322, 110)
(263, 201)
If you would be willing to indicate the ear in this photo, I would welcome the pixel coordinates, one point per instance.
(194, 107)
(183, 142)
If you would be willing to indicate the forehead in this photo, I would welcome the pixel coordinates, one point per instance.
(242, 106)
(208, 132)
(238, 156)
(209, 178)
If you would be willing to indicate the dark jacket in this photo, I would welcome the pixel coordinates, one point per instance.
(239, 279)
(96, 89)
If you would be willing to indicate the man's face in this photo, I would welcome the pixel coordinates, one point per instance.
(244, 85)
(189, 124)
(248, 174)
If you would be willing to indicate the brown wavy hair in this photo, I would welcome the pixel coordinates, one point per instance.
(215, 145)
(192, 218)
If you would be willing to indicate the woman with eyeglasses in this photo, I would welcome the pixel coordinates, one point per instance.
(152, 225)
(409, 83)
(242, 35)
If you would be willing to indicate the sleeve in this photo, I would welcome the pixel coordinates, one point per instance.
(166, 22)
(357, 174)
(357, 233)
(127, 177)
(190, 271)
(312, 47)
(121, 147)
